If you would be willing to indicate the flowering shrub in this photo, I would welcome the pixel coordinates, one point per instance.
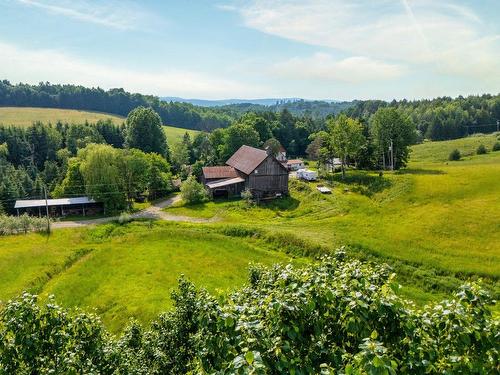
(335, 316)
(21, 224)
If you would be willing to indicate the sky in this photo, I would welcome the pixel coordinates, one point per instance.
(312, 49)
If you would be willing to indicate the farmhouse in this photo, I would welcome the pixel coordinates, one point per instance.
(59, 207)
(249, 168)
(280, 155)
(294, 164)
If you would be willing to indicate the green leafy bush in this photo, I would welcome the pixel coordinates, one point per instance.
(334, 316)
(496, 146)
(481, 149)
(454, 155)
(192, 191)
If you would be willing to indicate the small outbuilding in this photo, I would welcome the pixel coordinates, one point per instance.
(59, 207)
(295, 164)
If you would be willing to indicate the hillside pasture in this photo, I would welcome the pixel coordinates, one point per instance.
(25, 116)
(125, 271)
(433, 218)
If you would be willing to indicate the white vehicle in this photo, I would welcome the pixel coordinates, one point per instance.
(306, 174)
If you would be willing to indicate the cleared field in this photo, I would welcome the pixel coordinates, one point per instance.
(124, 271)
(25, 116)
(175, 135)
(444, 216)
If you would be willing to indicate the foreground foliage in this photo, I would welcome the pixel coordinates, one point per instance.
(335, 316)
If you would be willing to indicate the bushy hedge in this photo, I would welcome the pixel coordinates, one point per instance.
(335, 316)
(455, 155)
(21, 224)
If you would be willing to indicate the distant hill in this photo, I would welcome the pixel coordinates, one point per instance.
(223, 102)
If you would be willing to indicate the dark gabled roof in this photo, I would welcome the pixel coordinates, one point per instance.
(219, 172)
(247, 158)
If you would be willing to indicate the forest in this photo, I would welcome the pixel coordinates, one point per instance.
(435, 119)
(115, 101)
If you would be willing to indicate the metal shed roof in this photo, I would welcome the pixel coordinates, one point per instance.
(227, 182)
(247, 158)
(26, 203)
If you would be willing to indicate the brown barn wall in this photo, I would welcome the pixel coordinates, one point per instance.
(271, 177)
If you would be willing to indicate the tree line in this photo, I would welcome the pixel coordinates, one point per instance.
(110, 163)
(435, 119)
(441, 118)
(334, 316)
(116, 101)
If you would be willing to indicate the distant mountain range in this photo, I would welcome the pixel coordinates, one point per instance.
(222, 102)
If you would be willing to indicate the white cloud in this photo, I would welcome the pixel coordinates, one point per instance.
(432, 34)
(33, 66)
(121, 15)
(322, 66)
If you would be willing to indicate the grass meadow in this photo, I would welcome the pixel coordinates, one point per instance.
(437, 223)
(25, 116)
(125, 271)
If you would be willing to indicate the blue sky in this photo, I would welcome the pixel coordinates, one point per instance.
(315, 49)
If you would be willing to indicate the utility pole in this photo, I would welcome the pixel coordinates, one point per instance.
(46, 209)
(392, 155)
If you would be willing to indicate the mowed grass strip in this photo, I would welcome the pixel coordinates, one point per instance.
(28, 261)
(132, 273)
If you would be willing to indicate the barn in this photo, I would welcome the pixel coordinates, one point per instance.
(249, 168)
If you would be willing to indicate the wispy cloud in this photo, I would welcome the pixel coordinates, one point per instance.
(425, 33)
(120, 15)
(322, 66)
(32, 66)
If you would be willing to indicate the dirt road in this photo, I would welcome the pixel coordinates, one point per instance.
(153, 212)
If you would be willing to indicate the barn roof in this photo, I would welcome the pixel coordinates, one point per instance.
(294, 161)
(247, 158)
(25, 203)
(224, 171)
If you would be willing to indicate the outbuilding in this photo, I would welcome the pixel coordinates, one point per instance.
(59, 207)
(294, 164)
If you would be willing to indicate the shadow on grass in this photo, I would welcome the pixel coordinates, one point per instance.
(420, 171)
(281, 204)
(362, 182)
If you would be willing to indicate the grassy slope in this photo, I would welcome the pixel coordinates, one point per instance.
(444, 215)
(124, 271)
(25, 116)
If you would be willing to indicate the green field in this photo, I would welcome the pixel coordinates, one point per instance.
(435, 220)
(124, 271)
(436, 223)
(25, 116)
